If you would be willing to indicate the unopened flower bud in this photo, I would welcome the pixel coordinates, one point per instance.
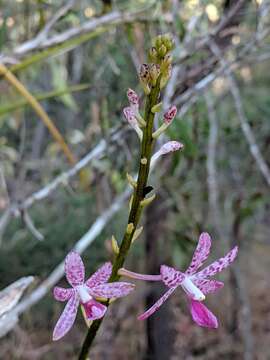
(145, 78)
(168, 147)
(168, 41)
(170, 115)
(131, 118)
(132, 96)
(153, 55)
(168, 60)
(162, 51)
(154, 70)
(144, 73)
(171, 146)
(157, 42)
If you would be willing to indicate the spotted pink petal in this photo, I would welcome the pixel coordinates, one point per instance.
(170, 115)
(74, 269)
(62, 294)
(112, 290)
(201, 253)
(202, 316)
(208, 286)
(67, 318)
(101, 276)
(170, 146)
(133, 98)
(157, 305)
(94, 310)
(218, 265)
(170, 276)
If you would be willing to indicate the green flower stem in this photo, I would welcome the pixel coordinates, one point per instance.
(136, 209)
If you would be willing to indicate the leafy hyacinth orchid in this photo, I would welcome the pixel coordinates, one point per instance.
(84, 293)
(196, 284)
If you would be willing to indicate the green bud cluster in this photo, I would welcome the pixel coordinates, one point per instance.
(160, 63)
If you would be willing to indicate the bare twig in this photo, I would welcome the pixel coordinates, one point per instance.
(95, 153)
(31, 227)
(11, 78)
(213, 193)
(253, 147)
(41, 41)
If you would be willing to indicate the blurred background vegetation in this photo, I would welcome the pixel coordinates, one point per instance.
(78, 58)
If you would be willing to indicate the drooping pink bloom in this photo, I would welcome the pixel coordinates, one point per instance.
(196, 284)
(84, 293)
(170, 115)
(132, 120)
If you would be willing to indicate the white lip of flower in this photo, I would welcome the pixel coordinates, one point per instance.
(83, 294)
(192, 290)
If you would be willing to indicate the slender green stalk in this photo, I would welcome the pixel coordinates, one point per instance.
(158, 73)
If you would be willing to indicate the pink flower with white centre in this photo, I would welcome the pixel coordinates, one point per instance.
(170, 115)
(84, 293)
(130, 116)
(196, 284)
(168, 147)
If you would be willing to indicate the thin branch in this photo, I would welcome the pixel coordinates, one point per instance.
(42, 96)
(41, 41)
(213, 191)
(63, 178)
(31, 227)
(253, 147)
(39, 110)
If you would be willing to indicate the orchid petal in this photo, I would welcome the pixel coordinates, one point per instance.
(208, 286)
(94, 310)
(112, 290)
(74, 269)
(201, 253)
(202, 315)
(101, 276)
(218, 265)
(67, 318)
(170, 276)
(157, 305)
(62, 294)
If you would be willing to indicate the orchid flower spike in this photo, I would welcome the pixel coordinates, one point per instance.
(168, 147)
(130, 116)
(196, 284)
(84, 293)
(167, 120)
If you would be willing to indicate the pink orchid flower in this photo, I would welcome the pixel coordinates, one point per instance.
(84, 293)
(196, 284)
